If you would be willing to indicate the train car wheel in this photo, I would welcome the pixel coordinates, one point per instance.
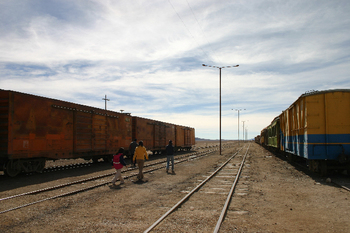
(108, 159)
(12, 168)
(318, 167)
(313, 165)
(323, 168)
(41, 165)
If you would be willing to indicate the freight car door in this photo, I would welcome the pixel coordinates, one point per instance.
(4, 119)
(99, 134)
(82, 131)
(187, 138)
(4, 114)
(159, 136)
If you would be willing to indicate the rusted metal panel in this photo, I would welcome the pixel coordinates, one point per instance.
(190, 138)
(159, 135)
(180, 136)
(154, 134)
(4, 113)
(170, 133)
(185, 137)
(43, 127)
(37, 129)
(144, 130)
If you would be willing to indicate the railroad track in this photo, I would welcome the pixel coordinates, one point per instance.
(50, 193)
(342, 182)
(58, 168)
(214, 184)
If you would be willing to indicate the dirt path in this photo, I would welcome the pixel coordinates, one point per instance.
(277, 198)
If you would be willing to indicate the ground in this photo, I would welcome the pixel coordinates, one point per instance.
(278, 198)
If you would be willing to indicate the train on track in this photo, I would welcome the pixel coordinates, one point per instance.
(35, 129)
(315, 129)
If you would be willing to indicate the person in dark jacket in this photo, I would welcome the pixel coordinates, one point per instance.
(118, 163)
(132, 148)
(170, 156)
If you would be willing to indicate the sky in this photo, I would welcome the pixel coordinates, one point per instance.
(147, 56)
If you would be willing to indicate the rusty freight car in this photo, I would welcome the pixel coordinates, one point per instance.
(185, 138)
(154, 134)
(34, 129)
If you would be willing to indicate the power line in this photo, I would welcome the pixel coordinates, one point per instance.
(188, 29)
(202, 30)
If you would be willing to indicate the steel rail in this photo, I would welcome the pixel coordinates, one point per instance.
(188, 195)
(229, 196)
(88, 179)
(341, 186)
(98, 185)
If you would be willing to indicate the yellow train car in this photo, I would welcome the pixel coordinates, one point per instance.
(263, 137)
(317, 127)
(273, 133)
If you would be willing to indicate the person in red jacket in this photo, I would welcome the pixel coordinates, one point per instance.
(118, 163)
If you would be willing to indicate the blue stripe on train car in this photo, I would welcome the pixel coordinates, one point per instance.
(317, 146)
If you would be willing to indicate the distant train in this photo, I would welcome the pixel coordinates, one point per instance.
(315, 128)
(34, 129)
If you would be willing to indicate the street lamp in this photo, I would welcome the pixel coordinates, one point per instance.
(220, 67)
(243, 132)
(238, 121)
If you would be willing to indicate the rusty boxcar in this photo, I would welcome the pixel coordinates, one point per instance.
(34, 129)
(185, 138)
(154, 134)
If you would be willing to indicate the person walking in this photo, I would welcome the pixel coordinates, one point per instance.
(132, 148)
(139, 157)
(170, 156)
(118, 163)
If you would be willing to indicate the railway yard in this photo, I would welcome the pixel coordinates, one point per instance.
(271, 195)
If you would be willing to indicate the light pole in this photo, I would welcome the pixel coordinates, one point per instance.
(220, 67)
(238, 121)
(243, 132)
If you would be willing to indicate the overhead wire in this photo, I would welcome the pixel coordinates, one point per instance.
(202, 30)
(188, 28)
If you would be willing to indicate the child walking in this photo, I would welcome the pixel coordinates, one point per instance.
(118, 163)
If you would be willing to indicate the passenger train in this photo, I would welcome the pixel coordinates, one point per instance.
(315, 128)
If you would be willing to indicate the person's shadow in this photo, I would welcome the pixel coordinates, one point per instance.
(140, 181)
(114, 186)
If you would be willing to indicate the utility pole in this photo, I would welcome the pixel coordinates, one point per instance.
(238, 121)
(243, 131)
(105, 99)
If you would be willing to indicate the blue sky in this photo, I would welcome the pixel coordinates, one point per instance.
(147, 56)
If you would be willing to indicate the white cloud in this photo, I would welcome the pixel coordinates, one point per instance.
(146, 56)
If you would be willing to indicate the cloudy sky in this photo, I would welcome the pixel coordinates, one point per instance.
(147, 56)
